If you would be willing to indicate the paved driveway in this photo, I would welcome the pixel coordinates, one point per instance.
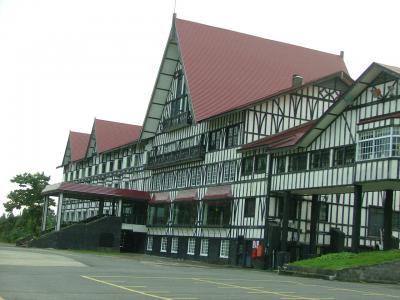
(52, 274)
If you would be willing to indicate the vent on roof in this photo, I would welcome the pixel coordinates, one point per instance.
(297, 80)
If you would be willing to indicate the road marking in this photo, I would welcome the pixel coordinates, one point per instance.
(185, 298)
(255, 290)
(136, 286)
(127, 289)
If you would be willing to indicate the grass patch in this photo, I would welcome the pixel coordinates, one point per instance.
(339, 261)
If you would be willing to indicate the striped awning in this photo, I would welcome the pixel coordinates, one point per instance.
(221, 192)
(81, 190)
(160, 198)
(186, 195)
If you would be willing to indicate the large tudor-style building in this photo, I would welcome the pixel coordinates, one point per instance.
(249, 147)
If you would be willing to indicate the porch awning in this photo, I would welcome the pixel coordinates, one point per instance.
(187, 195)
(222, 192)
(94, 191)
(160, 198)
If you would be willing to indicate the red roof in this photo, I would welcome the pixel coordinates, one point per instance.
(226, 70)
(78, 142)
(111, 135)
(283, 139)
(95, 190)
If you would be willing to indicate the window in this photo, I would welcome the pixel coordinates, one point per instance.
(111, 166)
(344, 155)
(379, 143)
(158, 214)
(323, 212)
(247, 166)
(376, 220)
(185, 213)
(204, 247)
(319, 159)
(224, 249)
(292, 209)
(214, 140)
(119, 164)
(229, 171)
(191, 246)
(260, 164)
(218, 213)
(281, 164)
(163, 247)
(232, 136)
(212, 173)
(149, 243)
(298, 162)
(249, 207)
(174, 245)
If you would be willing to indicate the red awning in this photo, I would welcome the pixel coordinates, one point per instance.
(187, 195)
(160, 198)
(222, 192)
(91, 190)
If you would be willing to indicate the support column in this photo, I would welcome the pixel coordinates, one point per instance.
(388, 220)
(315, 205)
(101, 207)
(44, 212)
(59, 211)
(266, 214)
(355, 237)
(113, 208)
(285, 221)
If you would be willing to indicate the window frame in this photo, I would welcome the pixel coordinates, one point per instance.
(163, 244)
(224, 249)
(174, 245)
(191, 246)
(149, 245)
(204, 245)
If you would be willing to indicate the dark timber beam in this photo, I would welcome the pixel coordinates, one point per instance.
(314, 222)
(113, 208)
(388, 220)
(285, 221)
(355, 237)
(101, 207)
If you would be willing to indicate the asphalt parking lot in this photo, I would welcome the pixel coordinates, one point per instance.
(53, 274)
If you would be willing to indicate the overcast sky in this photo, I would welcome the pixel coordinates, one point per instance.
(63, 63)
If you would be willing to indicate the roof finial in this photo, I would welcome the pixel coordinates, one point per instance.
(174, 7)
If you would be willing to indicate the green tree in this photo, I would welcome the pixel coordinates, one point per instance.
(28, 198)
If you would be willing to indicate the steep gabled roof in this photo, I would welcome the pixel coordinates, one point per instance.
(366, 78)
(303, 135)
(284, 139)
(110, 135)
(227, 70)
(76, 147)
(78, 143)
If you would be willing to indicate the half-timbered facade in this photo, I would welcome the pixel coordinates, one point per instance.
(249, 147)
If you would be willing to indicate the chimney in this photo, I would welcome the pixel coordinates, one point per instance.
(342, 54)
(297, 80)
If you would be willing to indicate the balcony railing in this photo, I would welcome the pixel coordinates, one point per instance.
(156, 161)
(176, 122)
